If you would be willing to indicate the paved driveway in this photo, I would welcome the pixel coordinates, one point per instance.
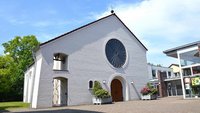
(163, 105)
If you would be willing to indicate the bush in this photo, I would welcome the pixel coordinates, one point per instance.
(97, 86)
(145, 91)
(154, 91)
(148, 90)
(99, 92)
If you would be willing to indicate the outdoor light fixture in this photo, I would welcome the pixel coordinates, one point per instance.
(104, 81)
(132, 82)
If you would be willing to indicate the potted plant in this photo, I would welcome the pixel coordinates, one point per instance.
(195, 91)
(148, 92)
(195, 86)
(101, 96)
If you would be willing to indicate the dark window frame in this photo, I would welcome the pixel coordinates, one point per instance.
(115, 53)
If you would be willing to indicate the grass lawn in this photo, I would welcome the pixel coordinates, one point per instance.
(11, 105)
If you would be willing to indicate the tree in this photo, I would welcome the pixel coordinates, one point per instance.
(5, 72)
(18, 53)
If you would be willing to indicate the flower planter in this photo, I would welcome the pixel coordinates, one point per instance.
(148, 97)
(101, 100)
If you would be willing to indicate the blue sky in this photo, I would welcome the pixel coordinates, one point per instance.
(159, 24)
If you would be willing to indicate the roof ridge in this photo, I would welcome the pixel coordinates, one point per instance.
(92, 23)
(173, 64)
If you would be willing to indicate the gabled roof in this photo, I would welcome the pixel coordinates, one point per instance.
(89, 25)
(174, 65)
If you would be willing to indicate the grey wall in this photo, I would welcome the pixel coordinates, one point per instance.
(87, 61)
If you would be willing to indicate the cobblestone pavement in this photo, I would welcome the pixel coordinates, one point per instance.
(162, 105)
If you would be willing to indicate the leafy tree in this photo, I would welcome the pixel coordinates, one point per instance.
(5, 72)
(18, 56)
(7, 68)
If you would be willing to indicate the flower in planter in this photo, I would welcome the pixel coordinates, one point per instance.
(145, 91)
(148, 90)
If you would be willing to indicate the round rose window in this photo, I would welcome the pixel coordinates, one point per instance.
(115, 53)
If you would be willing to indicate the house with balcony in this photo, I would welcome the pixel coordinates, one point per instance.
(165, 80)
(188, 56)
(176, 69)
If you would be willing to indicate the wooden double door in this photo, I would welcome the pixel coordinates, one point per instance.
(116, 90)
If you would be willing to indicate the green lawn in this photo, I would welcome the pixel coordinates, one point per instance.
(11, 105)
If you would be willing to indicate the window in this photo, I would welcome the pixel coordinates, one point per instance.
(175, 74)
(169, 74)
(115, 53)
(60, 61)
(154, 74)
(90, 84)
(164, 75)
(186, 72)
(169, 86)
(196, 70)
(178, 74)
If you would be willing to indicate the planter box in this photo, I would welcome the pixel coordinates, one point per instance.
(148, 97)
(101, 100)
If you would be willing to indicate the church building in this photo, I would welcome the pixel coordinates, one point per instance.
(66, 67)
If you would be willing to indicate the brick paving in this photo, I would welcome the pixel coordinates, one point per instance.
(162, 105)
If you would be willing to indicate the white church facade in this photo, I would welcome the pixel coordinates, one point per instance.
(104, 50)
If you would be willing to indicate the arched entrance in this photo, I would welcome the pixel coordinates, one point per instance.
(116, 90)
(60, 91)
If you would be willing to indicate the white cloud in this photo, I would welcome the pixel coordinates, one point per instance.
(161, 24)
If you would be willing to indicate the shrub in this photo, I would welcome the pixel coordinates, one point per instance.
(154, 91)
(97, 86)
(145, 91)
(99, 92)
(148, 90)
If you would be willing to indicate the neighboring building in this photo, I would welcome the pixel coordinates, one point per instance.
(176, 69)
(189, 63)
(164, 79)
(174, 81)
(66, 66)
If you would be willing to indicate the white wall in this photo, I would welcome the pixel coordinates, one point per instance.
(28, 84)
(87, 61)
(36, 83)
